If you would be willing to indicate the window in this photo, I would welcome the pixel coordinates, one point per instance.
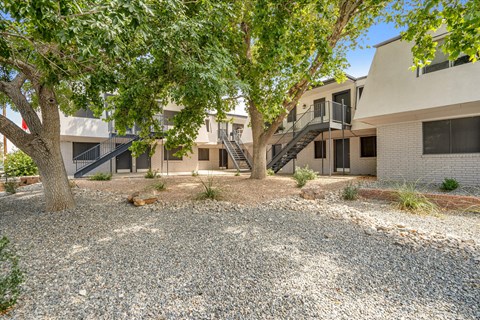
(207, 125)
(85, 113)
(359, 94)
(441, 61)
(168, 117)
(292, 115)
(276, 148)
(452, 136)
(80, 147)
(368, 147)
(169, 154)
(320, 149)
(203, 154)
(319, 108)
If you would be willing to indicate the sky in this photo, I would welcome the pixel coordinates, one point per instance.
(359, 59)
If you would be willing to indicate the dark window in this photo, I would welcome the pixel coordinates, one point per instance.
(292, 115)
(441, 61)
(320, 149)
(207, 124)
(368, 147)
(168, 117)
(319, 108)
(276, 148)
(169, 154)
(461, 60)
(85, 113)
(360, 92)
(80, 148)
(203, 154)
(452, 136)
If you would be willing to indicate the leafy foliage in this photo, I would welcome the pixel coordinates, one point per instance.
(350, 192)
(151, 174)
(10, 187)
(160, 186)
(237, 174)
(270, 172)
(302, 175)
(19, 164)
(10, 276)
(101, 176)
(194, 173)
(449, 184)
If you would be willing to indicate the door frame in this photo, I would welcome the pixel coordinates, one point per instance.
(335, 167)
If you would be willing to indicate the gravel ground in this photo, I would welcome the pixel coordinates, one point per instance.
(284, 259)
(462, 190)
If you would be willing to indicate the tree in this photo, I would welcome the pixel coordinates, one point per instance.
(57, 53)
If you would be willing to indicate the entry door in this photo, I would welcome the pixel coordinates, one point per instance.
(124, 162)
(223, 158)
(338, 97)
(143, 161)
(222, 127)
(342, 149)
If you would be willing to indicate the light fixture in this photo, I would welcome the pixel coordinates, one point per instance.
(304, 106)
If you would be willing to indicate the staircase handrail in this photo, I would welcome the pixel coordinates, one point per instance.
(226, 142)
(238, 140)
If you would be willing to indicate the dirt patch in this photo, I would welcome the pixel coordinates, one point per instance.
(239, 189)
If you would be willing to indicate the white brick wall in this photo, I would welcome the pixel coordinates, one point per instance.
(400, 157)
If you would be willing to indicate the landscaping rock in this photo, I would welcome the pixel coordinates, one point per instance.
(140, 199)
(313, 194)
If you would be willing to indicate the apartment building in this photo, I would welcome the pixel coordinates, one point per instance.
(322, 132)
(428, 120)
(90, 145)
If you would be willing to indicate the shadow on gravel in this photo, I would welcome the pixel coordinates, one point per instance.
(107, 259)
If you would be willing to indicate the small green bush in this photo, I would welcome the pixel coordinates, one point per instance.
(194, 173)
(19, 164)
(410, 199)
(11, 187)
(159, 186)
(270, 172)
(101, 176)
(302, 175)
(10, 276)
(350, 192)
(151, 174)
(237, 174)
(449, 184)
(209, 192)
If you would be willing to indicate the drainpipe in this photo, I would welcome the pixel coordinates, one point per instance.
(343, 138)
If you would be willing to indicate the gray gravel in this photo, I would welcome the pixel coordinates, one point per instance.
(462, 190)
(289, 259)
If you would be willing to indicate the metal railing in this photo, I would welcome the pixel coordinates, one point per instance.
(327, 112)
(238, 140)
(103, 148)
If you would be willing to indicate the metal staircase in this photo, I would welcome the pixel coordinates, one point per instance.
(237, 151)
(101, 153)
(317, 119)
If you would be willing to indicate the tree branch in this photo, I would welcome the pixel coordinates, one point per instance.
(15, 134)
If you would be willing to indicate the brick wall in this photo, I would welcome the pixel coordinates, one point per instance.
(400, 157)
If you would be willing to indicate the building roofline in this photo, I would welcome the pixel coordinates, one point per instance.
(387, 41)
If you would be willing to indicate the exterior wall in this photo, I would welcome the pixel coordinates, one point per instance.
(83, 127)
(392, 88)
(400, 157)
(66, 148)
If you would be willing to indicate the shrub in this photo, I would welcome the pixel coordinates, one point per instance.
(409, 199)
(72, 184)
(151, 174)
(194, 173)
(19, 164)
(10, 276)
(302, 175)
(159, 186)
(350, 192)
(209, 192)
(270, 172)
(237, 174)
(449, 184)
(11, 187)
(101, 176)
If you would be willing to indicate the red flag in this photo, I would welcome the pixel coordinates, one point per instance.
(24, 125)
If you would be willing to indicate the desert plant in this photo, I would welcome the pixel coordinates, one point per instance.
(237, 174)
(159, 186)
(270, 172)
(72, 183)
(10, 187)
(210, 191)
(302, 175)
(10, 276)
(151, 174)
(194, 173)
(449, 184)
(408, 198)
(350, 192)
(101, 176)
(19, 164)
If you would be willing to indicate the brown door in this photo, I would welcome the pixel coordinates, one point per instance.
(223, 158)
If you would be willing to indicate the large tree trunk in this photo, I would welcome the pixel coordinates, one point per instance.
(259, 170)
(58, 194)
